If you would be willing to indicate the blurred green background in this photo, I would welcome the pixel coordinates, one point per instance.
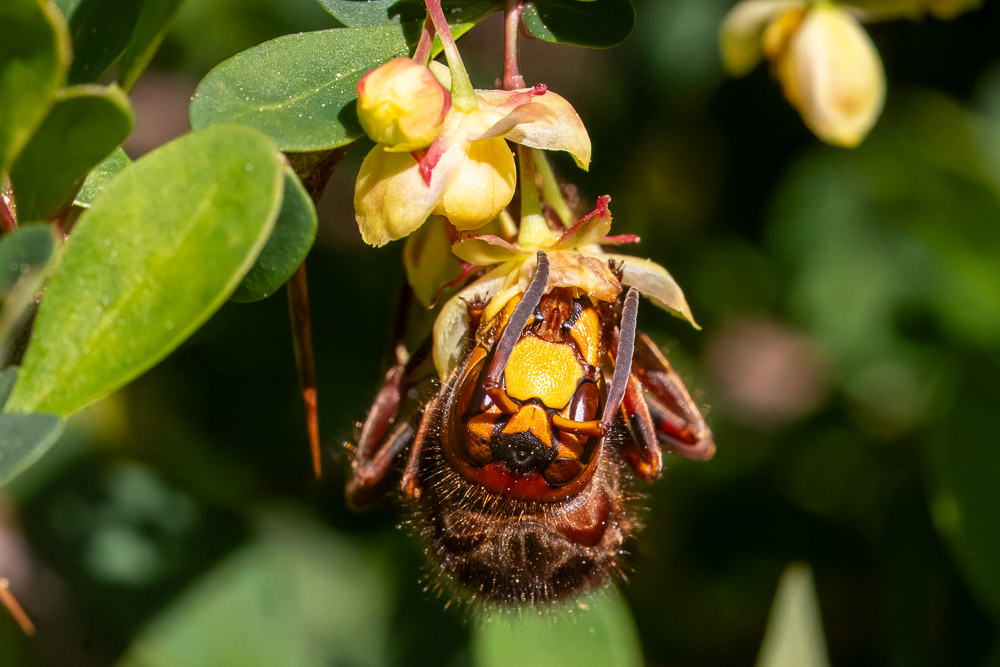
(850, 363)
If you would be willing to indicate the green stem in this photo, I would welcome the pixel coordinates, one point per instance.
(534, 231)
(463, 95)
(550, 188)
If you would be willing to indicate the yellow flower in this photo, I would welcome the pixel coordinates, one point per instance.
(402, 105)
(829, 68)
(832, 74)
(468, 174)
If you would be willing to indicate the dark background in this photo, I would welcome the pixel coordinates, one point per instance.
(849, 363)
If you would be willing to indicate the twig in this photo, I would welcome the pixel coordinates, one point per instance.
(423, 52)
(512, 78)
(13, 606)
(305, 363)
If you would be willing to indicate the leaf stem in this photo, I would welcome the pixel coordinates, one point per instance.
(423, 53)
(512, 78)
(463, 96)
(305, 362)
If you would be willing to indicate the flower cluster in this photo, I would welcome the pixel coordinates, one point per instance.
(442, 175)
(829, 69)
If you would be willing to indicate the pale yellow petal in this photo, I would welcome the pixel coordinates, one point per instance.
(560, 129)
(391, 198)
(482, 186)
(742, 31)
(451, 328)
(485, 250)
(654, 282)
(832, 73)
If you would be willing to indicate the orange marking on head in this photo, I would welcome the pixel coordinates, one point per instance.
(482, 424)
(531, 418)
(586, 333)
(543, 370)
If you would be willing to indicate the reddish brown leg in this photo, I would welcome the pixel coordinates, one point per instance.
(679, 425)
(369, 472)
(643, 453)
(374, 454)
(412, 490)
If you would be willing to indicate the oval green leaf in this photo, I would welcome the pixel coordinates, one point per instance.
(23, 440)
(149, 263)
(100, 176)
(963, 466)
(598, 25)
(462, 14)
(34, 53)
(99, 29)
(297, 89)
(289, 243)
(149, 31)
(106, 32)
(26, 249)
(83, 127)
(8, 377)
(598, 630)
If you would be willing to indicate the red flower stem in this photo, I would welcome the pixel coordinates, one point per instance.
(7, 221)
(463, 96)
(305, 363)
(10, 602)
(423, 53)
(512, 78)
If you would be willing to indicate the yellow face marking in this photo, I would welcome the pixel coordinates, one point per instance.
(480, 429)
(531, 418)
(586, 333)
(543, 370)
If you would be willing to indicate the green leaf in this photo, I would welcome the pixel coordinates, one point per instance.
(148, 263)
(23, 440)
(297, 89)
(298, 594)
(599, 630)
(100, 30)
(964, 466)
(287, 247)
(83, 127)
(149, 31)
(462, 14)
(106, 32)
(794, 636)
(8, 377)
(599, 25)
(100, 176)
(27, 249)
(34, 53)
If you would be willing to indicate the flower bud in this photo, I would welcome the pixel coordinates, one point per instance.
(831, 73)
(402, 105)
